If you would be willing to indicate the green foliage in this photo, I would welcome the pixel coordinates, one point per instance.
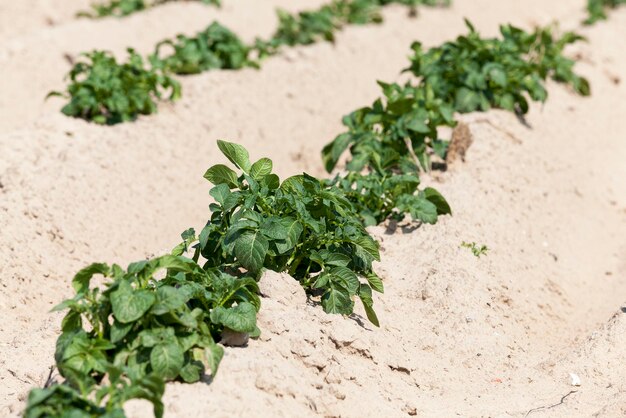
(300, 226)
(155, 322)
(475, 73)
(308, 27)
(394, 133)
(476, 250)
(597, 9)
(62, 400)
(392, 140)
(121, 8)
(105, 92)
(214, 48)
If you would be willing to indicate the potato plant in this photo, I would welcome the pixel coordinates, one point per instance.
(308, 27)
(121, 8)
(300, 226)
(476, 73)
(103, 91)
(157, 321)
(596, 9)
(214, 48)
(399, 133)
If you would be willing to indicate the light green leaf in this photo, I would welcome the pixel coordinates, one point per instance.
(261, 168)
(81, 280)
(213, 356)
(424, 211)
(368, 245)
(129, 305)
(241, 318)
(167, 359)
(250, 250)
(119, 331)
(237, 155)
(375, 282)
(220, 174)
(168, 299)
(220, 193)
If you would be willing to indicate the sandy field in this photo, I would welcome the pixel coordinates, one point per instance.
(460, 336)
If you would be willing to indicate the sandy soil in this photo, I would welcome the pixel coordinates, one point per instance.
(495, 336)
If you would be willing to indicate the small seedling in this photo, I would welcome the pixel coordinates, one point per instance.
(476, 250)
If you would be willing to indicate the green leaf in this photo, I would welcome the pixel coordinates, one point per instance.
(129, 305)
(168, 299)
(213, 356)
(221, 193)
(294, 231)
(250, 250)
(190, 373)
(119, 331)
(237, 155)
(220, 174)
(261, 168)
(346, 277)
(434, 197)
(337, 301)
(368, 245)
(167, 359)
(424, 211)
(375, 282)
(81, 280)
(241, 318)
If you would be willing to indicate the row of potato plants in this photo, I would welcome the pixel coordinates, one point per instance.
(105, 91)
(161, 319)
(121, 8)
(596, 9)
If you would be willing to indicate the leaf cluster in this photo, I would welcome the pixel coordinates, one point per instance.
(157, 321)
(62, 400)
(301, 226)
(104, 91)
(476, 74)
(390, 141)
(596, 9)
(214, 48)
(308, 27)
(121, 8)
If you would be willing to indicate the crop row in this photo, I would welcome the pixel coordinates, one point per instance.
(596, 9)
(121, 8)
(160, 320)
(107, 92)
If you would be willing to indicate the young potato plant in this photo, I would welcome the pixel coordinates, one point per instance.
(395, 133)
(158, 321)
(63, 400)
(105, 92)
(300, 226)
(121, 8)
(597, 9)
(399, 133)
(308, 27)
(214, 48)
(476, 73)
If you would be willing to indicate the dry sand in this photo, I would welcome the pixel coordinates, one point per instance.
(495, 336)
